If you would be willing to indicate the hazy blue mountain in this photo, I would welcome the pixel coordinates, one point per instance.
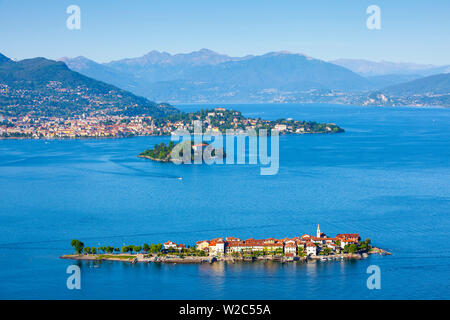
(207, 76)
(4, 59)
(383, 81)
(46, 87)
(372, 68)
(162, 66)
(196, 58)
(432, 85)
(428, 91)
(437, 70)
(104, 73)
(272, 70)
(204, 76)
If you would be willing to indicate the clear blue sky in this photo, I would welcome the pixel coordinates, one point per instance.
(412, 31)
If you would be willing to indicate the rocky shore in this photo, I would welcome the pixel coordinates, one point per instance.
(154, 159)
(135, 258)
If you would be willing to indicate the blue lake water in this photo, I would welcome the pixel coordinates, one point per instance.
(387, 177)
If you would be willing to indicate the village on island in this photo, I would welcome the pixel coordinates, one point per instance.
(231, 249)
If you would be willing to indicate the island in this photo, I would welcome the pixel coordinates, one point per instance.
(303, 248)
(163, 153)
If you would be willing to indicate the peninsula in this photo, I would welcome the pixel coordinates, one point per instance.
(231, 249)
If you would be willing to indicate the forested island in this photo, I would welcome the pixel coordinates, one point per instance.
(163, 153)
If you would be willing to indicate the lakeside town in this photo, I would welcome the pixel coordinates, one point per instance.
(110, 126)
(231, 249)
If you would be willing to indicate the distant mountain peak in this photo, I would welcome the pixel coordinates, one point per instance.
(201, 57)
(205, 50)
(288, 53)
(4, 58)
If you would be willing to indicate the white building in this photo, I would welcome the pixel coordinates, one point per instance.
(311, 249)
(290, 248)
(280, 127)
(170, 244)
(217, 248)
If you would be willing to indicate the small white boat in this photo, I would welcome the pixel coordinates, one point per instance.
(180, 178)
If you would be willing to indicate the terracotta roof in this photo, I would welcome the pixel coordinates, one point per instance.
(348, 235)
(291, 245)
(276, 244)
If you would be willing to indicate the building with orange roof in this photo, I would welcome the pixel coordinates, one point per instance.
(169, 245)
(311, 249)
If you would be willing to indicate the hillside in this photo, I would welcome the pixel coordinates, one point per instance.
(103, 73)
(437, 84)
(428, 91)
(43, 87)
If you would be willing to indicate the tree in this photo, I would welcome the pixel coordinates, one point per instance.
(155, 248)
(87, 250)
(367, 241)
(124, 249)
(146, 247)
(352, 248)
(77, 245)
(137, 248)
(93, 250)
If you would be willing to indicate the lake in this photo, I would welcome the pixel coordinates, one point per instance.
(387, 177)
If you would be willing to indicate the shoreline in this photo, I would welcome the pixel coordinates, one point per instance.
(154, 159)
(168, 259)
(144, 135)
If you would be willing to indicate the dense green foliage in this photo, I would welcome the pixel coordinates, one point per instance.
(160, 151)
(77, 245)
(80, 248)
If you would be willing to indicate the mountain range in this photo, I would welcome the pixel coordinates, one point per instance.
(206, 76)
(382, 68)
(49, 88)
(78, 85)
